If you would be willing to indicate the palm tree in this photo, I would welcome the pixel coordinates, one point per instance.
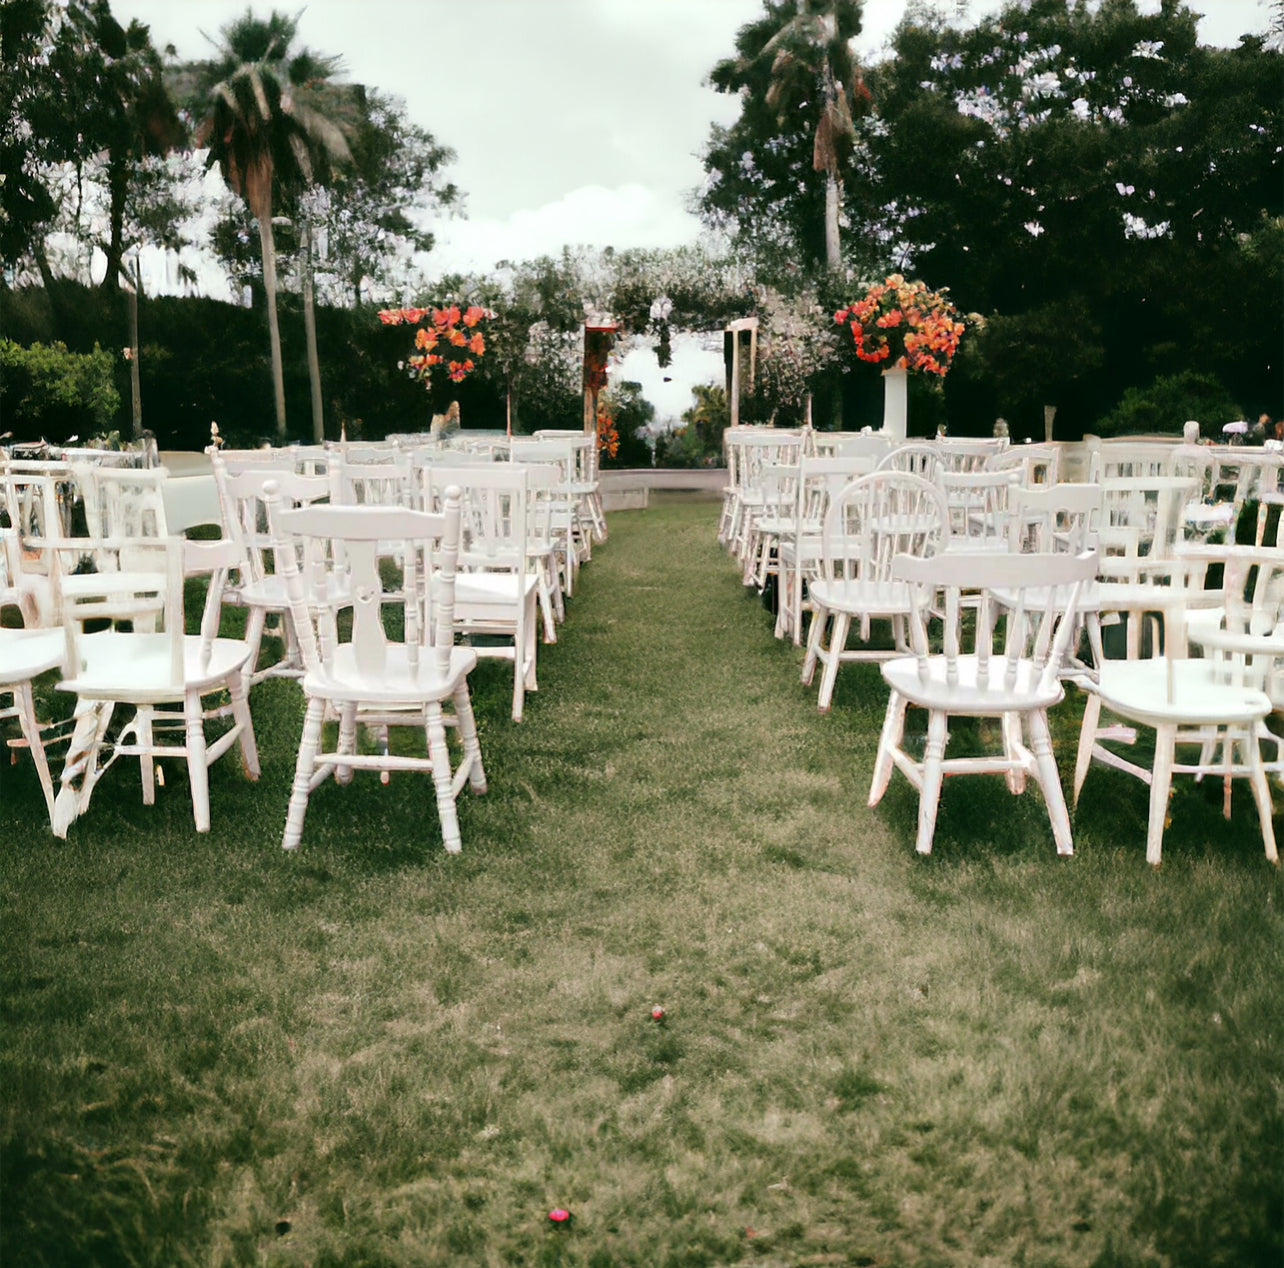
(813, 47)
(266, 132)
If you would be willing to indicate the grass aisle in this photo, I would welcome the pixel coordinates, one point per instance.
(372, 1054)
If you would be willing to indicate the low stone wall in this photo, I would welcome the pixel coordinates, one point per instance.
(630, 490)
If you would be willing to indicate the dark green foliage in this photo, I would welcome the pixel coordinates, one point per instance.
(1106, 188)
(1164, 406)
(204, 361)
(45, 390)
(632, 413)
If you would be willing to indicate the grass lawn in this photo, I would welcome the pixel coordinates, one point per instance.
(371, 1054)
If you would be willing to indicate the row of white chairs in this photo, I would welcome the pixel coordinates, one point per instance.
(847, 542)
(304, 536)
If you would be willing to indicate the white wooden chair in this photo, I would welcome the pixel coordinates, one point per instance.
(978, 507)
(969, 453)
(144, 658)
(1032, 464)
(757, 448)
(869, 522)
(799, 545)
(497, 587)
(586, 485)
(566, 521)
(1129, 459)
(1063, 519)
(920, 458)
(1217, 703)
(366, 677)
(254, 583)
(1003, 664)
(25, 655)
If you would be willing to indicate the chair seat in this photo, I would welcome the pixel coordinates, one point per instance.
(968, 695)
(269, 592)
(1140, 689)
(396, 684)
(499, 588)
(26, 654)
(137, 667)
(860, 597)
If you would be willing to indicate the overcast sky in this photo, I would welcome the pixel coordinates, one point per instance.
(574, 121)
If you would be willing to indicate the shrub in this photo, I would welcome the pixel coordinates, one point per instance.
(1168, 402)
(45, 390)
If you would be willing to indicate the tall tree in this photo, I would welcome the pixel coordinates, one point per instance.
(375, 215)
(265, 129)
(800, 91)
(1063, 165)
(133, 116)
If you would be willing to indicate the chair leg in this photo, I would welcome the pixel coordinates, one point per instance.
(24, 699)
(890, 740)
(929, 795)
(435, 729)
(814, 635)
(241, 715)
(468, 736)
(1261, 793)
(347, 742)
(1087, 738)
(92, 718)
(146, 758)
(837, 641)
(1014, 776)
(254, 624)
(1045, 766)
(303, 768)
(1161, 779)
(198, 767)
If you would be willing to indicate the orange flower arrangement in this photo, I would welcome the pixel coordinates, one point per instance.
(608, 439)
(451, 338)
(905, 324)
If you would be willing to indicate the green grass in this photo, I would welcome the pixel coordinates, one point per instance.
(372, 1054)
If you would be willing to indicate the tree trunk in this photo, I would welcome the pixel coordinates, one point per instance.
(310, 329)
(118, 186)
(833, 250)
(135, 372)
(267, 246)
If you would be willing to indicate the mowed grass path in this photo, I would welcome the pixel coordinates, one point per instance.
(372, 1054)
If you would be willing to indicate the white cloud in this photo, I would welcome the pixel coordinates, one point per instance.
(630, 216)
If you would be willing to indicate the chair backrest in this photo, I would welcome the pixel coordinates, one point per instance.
(192, 502)
(1240, 475)
(1130, 459)
(819, 479)
(135, 597)
(39, 496)
(977, 502)
(1055, 518)
(767, 447)
(1024, 606)
(305, 459)
(496, 512)
(876, 517)
(1033, 464)
(318, 542)
(1143, 516)
(857, 444)
(969, 453)
(243, 505)
(125, 502)
(367, 482)
(918, 458)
